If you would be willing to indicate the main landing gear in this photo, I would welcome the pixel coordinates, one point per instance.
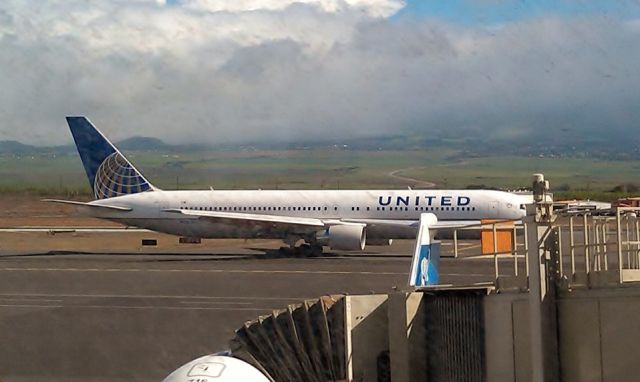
(303, 250)
(298, 246)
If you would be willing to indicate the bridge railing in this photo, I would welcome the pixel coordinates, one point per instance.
(583, 249)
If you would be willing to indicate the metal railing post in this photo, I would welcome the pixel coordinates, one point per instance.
(596, 256)
(627, 243)
(455, 243)
(526, 251)
(495, 253)
(619, 234)
(606, 249)
(537, 293)
(560, 257)
(637, 244)
(515, 250)
(585, 230)
(572, 248)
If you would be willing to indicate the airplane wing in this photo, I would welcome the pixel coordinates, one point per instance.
(257, 220)
(455, 224)
(309, 224)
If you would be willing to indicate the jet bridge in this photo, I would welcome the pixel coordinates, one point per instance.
(562, 305)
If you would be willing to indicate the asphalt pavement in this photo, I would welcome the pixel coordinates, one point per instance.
(137, 317)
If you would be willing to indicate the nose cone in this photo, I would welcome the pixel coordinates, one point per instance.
(217, 368)
(519, 205)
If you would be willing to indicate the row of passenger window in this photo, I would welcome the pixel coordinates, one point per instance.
(325, 208)
(446, 208)
(419, 208)
(258, 208)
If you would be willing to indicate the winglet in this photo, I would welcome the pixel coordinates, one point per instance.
(426, 258)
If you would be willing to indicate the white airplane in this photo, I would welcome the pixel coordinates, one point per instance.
(340, 219)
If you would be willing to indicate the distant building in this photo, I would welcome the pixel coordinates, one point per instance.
(627, 202)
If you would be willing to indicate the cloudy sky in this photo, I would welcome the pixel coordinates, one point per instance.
(248, 70)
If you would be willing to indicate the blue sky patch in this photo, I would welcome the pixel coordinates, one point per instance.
(496, 11)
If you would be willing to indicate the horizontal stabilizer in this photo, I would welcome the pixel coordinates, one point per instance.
(84, 204)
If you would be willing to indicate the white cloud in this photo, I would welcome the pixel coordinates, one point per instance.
(374, 8)
(634, 25)
(249, 70)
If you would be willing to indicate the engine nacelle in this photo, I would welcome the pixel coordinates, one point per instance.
(379, 241)
(345, 237)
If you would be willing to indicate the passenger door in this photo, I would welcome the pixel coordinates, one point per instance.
(494, 209)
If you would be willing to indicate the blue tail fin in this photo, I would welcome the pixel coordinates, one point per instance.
(110, 173)
(425, 267)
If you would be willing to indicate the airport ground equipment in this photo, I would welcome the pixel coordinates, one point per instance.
(563, 306)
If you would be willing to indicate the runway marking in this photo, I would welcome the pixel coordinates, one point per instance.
(216, 302)
(8, 299)
(490, 257)
(269, 271)
(60, 230)
(460, 244)
(136, 307)
(466, 247)
(154, 296)
(30, 306)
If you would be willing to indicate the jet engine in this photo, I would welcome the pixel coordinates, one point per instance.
(379, 241)
(346, 237)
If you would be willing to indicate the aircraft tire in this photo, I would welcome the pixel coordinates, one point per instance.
(286, 251)
(316, 251)
(305, 250)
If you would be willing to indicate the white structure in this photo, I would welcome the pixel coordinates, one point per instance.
(217, 368)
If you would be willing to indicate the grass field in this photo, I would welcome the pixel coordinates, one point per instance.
(326, 168)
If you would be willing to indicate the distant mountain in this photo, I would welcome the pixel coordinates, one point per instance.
(471, 144)
(130, 144)
(15, 147)
(142, 144)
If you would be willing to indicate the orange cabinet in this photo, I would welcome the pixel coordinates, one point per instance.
(504, 237)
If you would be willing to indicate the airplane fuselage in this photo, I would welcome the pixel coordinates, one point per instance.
(151, 209)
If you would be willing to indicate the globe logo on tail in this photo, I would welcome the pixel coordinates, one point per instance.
(116, 177)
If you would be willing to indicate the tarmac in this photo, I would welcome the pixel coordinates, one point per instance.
(138, 316)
